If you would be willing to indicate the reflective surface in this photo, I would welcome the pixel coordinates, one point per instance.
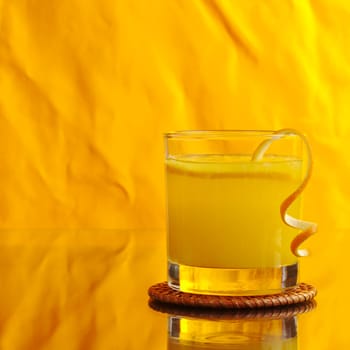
(259, 333)
(272, 328)
(88, 290)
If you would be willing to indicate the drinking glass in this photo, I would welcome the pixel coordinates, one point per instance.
(233, 210)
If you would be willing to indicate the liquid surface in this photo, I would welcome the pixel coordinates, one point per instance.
(224, 211)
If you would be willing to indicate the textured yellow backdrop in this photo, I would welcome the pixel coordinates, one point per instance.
(88, 87)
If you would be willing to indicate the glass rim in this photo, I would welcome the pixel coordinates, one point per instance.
(218, 134)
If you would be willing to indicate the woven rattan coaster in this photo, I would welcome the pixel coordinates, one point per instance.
(277, 312)
(302, 293)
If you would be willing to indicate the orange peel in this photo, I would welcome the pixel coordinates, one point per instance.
(307, 228)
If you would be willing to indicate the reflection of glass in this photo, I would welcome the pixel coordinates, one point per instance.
(274, 329)
(225, 232)
(244, 334)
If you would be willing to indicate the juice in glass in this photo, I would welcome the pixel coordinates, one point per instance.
(224, 224)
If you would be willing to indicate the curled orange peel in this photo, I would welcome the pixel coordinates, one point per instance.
(307, 228)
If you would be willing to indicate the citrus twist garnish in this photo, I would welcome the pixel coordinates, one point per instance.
(308, 228)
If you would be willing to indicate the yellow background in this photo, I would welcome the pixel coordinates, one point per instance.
(87, 88)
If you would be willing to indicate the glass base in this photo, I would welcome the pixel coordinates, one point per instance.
(222, 281)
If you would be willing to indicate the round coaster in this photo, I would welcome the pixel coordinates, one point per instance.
(277, 312)
(161, 292)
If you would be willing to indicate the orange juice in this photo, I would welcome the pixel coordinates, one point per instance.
(224, 218)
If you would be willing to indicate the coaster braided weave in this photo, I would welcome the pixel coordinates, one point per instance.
(302, 293)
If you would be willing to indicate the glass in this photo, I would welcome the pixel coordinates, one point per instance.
(232, 202)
